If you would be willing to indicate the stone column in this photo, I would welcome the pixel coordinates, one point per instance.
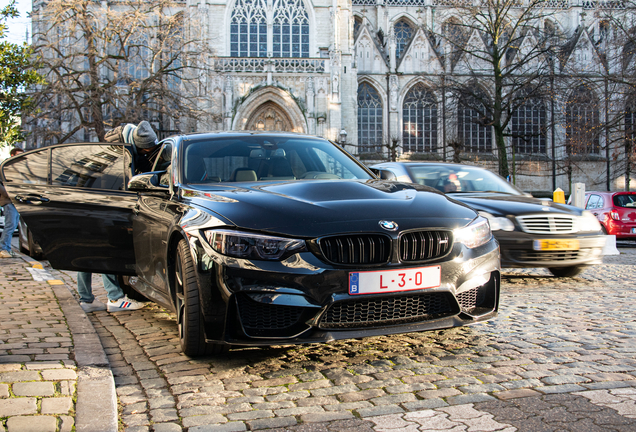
(229, 104)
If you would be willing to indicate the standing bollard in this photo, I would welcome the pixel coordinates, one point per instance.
(578, 195)
(558, 196)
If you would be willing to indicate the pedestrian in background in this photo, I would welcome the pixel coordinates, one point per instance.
(11, 216)
(15, 151)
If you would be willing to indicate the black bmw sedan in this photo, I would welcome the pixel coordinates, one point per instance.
(261, 238)
(532, 232)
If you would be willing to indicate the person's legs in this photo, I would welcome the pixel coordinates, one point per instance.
(117, 301)
(84, 288)
(113, 290)
(11, 217)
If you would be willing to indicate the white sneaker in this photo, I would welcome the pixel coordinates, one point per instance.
(124, 304)
(96, 305)
(6, 254)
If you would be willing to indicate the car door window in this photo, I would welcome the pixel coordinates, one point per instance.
(88, 166)
(31, 168)
(592, 202)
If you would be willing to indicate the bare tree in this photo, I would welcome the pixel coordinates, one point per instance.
(106, 63)
(615, 39)
(500, 57)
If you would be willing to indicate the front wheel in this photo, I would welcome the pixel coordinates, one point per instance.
(189, 316)
(566, 271)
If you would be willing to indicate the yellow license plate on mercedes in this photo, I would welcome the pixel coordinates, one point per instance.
(548, 245)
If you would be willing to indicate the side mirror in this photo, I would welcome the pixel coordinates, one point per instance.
(147, 182)
(387, 175)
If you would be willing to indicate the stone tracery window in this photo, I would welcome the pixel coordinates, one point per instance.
(403, 34)
(419, 118)
(529, 127)
(582, 123)
(256, 23)
(370, 117)
(472, 129)
(248, 29)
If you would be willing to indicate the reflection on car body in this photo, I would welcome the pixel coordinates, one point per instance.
(531, 232)
(262, 238)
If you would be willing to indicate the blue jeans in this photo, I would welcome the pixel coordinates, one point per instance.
(85, 290)
(11, 217)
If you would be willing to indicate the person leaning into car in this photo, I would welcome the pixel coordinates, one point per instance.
(144, 139)
(146, 145)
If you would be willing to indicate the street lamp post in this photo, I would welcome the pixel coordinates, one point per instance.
(343, 137)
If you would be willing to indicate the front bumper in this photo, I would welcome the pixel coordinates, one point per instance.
(304, 300)
(517, 250)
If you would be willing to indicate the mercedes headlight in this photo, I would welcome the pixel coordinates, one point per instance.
(252, 246)
(588, 222)
(474, 234)
(498, 223)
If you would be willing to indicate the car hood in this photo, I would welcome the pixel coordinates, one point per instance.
(504, 204)
(314, 208)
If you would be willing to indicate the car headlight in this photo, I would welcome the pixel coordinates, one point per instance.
(474, 234)
(252, 246)
(588, 222)
(498, 223)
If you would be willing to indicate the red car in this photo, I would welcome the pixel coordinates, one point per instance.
(616, 211)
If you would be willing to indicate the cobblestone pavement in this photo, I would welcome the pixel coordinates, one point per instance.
(38, 374)
(560, 356)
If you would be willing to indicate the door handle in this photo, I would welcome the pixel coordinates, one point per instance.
(31, 199)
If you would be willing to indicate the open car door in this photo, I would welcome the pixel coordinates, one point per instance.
(74, 200)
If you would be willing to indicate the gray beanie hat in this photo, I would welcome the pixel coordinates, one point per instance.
(143, 136)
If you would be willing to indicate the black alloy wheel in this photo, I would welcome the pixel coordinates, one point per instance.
(187, 304)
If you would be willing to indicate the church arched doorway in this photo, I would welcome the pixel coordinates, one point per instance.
(269, 117)
(270, 109)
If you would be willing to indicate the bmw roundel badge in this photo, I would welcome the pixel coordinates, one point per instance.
(388, 225)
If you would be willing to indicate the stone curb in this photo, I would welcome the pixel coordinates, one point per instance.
(96, 407)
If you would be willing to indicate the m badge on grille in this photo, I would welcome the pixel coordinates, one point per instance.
(389, 225)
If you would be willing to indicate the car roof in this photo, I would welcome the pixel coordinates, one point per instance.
(446, 164)
(237, 134)
(610, 192)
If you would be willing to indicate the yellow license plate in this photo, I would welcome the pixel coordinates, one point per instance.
(545, 245)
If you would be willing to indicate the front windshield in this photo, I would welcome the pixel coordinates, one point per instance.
(460, 179)
(266, 158)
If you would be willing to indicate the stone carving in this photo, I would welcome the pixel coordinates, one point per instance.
(393, 85)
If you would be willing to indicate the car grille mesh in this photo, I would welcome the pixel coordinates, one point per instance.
(423, 245)
(386, 310)
(548, 224)
(263, 316)
(471, 298)
(356, 249)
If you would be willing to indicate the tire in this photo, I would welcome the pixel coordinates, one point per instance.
(130, 291)
(603, 230)
(566, 271)
(187, 304)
